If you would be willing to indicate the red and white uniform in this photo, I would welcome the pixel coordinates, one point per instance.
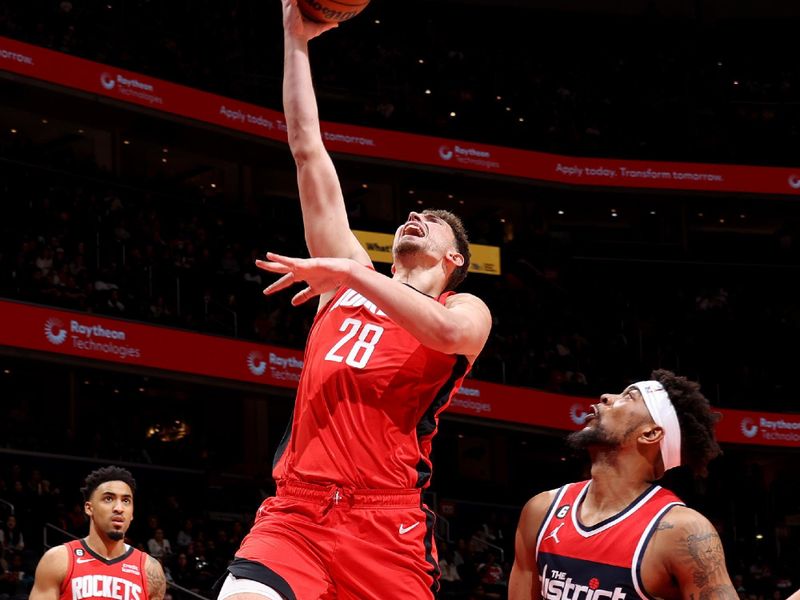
(368, 401)
(601, 562)
(90, 576)
(348, 520)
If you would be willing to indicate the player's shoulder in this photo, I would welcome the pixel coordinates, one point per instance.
(152, 566)
(464, 299)
(682, 527)
(685, 520)
(536, 508)
(57, 554)
(54, 562)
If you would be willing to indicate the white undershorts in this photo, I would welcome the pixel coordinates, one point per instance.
(237, 585)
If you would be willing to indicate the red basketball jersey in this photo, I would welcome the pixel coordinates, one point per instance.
(601, 562)
(90, 576)
(368, 401)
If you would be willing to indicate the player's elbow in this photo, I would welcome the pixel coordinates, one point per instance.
(451, 339)
(305, 143)
(306, 153)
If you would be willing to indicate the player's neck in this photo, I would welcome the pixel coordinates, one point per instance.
(429, 281)
(614, 486)
(103, 546)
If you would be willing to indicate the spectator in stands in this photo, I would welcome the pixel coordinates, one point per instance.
(184, 573)
(158, 546)
(450, 580)
(491, 573)
(184, 537)
(15, 580)
(11, 539)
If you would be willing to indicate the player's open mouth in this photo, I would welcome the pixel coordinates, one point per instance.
(414, 228)
(594, 414)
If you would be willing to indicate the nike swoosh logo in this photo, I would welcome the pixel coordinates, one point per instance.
(80, 561)
(404, 529)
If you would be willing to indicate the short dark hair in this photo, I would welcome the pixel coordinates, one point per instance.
(100, 476)
(462, 245)
(697, 420)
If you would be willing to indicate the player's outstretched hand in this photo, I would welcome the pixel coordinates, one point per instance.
(296, 25)
(321, 274)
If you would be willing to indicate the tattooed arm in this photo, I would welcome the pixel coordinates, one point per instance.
(156, 582)
(695, 558)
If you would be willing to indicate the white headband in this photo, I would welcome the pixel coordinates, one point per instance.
(658, 403)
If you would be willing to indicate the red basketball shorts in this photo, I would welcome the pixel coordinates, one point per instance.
(312, 542)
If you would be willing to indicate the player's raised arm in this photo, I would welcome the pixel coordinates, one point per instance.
(327, 230)
(50, 573)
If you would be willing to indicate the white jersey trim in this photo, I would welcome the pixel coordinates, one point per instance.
(587, 533)
(640, 548)
(548, 518)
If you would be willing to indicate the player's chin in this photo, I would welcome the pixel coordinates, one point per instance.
(408, 244)
(116, 534)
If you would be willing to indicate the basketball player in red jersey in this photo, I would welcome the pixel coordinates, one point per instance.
(382, 360)
(619, 536)
(101, 565)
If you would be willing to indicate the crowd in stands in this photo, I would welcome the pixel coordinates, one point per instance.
(185, 258)
(699, 87)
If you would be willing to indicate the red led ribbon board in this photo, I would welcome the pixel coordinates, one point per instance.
(87, 336)
(95, 338)
(141, 90)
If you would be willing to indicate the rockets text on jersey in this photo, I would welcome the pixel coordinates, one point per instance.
(93, 577)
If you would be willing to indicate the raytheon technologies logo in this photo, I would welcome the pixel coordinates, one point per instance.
(107, 81)
(54, 331)
(749, 429)
(445, 152)
(577, 415)
(256, 363)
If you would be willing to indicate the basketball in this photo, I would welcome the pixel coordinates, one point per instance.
(331, 11)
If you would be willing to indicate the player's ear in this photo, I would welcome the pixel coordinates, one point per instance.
(652, 434)
(456, 258)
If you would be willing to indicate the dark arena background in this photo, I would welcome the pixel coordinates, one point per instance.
(629, 170)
